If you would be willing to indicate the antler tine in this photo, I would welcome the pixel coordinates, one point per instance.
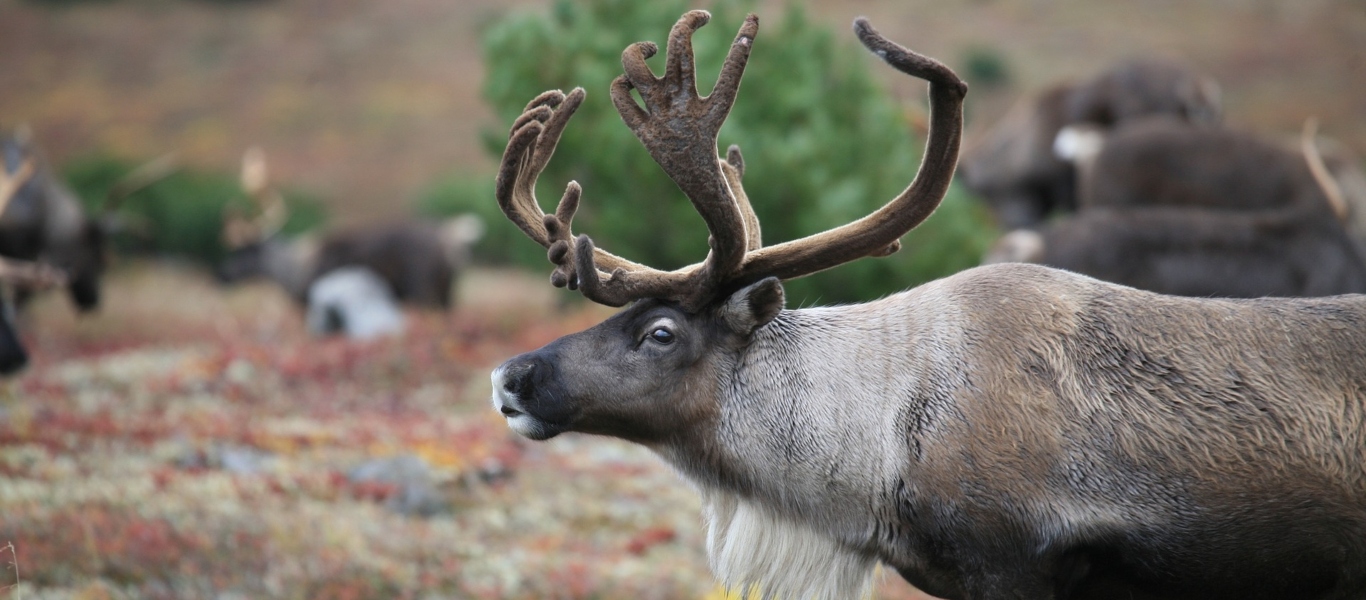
(147, 174)
(625, 287)
(734, 168)
(10, 184)
(531, 144)
(1331, 190)
(680, 129)
(878, 234)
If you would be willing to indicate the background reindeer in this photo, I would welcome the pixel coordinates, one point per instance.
(1201, 211)
(45, 221)
(419, 260)
(1011, 165)
(1008, 432)
(1163, 162)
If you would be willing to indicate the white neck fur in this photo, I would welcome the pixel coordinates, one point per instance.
(753, 548)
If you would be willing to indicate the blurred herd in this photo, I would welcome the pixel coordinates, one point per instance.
(1128, 175)
(48, 239)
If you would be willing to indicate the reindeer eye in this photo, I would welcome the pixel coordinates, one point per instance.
(662, 336)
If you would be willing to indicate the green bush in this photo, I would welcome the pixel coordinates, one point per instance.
(824, 143)
(181, 214)
(502, 242)
(985, 66)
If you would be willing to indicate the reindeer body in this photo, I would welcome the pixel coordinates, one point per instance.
(418, 260)
(1164, 162)
(1022, 430)
(1200, 252)
(1010, 431)
(45, 221)
(1011, 165)
(1201, 211)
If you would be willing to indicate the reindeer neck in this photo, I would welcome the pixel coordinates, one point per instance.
(798, 408)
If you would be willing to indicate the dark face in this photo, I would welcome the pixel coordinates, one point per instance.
(241, 263)
(12, 355)
(649, 372)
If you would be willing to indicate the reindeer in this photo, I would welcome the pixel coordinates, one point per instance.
(44, 220)
(1012, 166)
(1197, 211)
(419, 260)
(1012, 431)
(1198, 251)
(1166, 162)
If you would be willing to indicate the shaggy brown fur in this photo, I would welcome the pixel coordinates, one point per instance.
(1012, 165)
(1199, 211)
(1164, 162)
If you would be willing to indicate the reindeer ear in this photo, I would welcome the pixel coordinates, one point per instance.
(753, 306)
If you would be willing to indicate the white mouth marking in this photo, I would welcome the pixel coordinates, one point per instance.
(508, 405)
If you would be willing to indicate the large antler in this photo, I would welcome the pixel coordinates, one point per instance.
(679, 128)
(879, 233)
(530, 145)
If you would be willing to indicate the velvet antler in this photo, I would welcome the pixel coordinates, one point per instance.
(679, 128)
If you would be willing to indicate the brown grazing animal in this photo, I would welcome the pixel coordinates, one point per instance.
(1199, 252)
(44, 221)
(1165, 162)
(1012, 165)
(1012, 431)
(419, 260)
(1198, 211)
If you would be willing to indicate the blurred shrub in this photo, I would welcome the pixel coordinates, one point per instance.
(985, 66)
(502, 242)
(824, 143)
(181, 214)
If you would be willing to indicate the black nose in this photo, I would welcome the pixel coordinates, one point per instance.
(517, 377)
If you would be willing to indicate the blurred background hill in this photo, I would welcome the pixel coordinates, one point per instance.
(365, 104)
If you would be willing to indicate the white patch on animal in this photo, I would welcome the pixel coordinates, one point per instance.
(751, 547)
(353, 301)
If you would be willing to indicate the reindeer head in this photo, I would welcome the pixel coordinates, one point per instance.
(650, 371)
